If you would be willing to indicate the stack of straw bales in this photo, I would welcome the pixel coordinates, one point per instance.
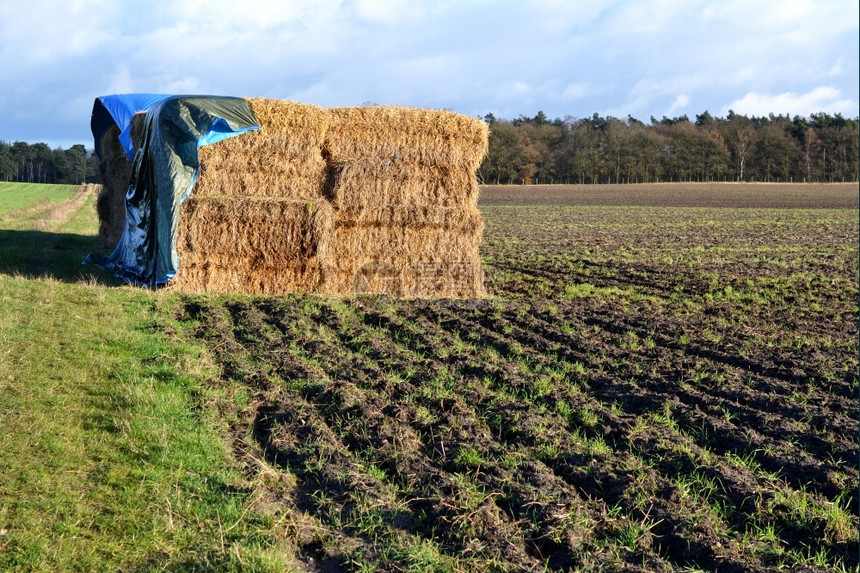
(402, 182)
(257, 221)
(344, 200)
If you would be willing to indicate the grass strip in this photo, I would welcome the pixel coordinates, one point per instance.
(107, 460)
(110, 459)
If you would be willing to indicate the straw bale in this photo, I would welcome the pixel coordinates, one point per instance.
(361, 185)
(251, 245)
(434, 255)
(412, 135)
(203, 276)
(458, 219)
(270, 230)
(282, 159)
(138, 126)
(417, 242)
(115, 170)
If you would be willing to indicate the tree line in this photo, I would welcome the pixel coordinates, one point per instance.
(530, 150)
(526, 150)
(38, 163)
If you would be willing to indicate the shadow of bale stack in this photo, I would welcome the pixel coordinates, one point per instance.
(379, 200)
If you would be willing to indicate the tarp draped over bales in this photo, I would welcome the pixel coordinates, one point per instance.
(163, 173)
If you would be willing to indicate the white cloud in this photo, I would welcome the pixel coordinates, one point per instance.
(648, 95)
(120, 82)
(562, 15)
(520, 88)
(325, 93)
(769, 41)
(575, 91)
(744, 75)
(837, 68)
(45, 32)
(183, 85)
(229, 17)
(680, 103)
(508, 57)
(803, 21)
(821, 99)
(649, 18)
(389, 13)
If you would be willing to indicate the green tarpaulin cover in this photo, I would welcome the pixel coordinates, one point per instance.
(163, 173)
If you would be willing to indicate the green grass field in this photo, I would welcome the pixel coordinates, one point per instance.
(109, 458)
(20, 196)
(665, 387)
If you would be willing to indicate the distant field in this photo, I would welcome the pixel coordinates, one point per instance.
(662, 378)
(728, 195)
(20, 196)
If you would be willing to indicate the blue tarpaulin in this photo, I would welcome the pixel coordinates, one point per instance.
(117, 110)
(163, 173)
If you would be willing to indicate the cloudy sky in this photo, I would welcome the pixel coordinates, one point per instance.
(510, 58)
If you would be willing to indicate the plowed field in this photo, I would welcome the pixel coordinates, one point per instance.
(663, 379)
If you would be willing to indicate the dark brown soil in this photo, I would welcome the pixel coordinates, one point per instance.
(650, 388)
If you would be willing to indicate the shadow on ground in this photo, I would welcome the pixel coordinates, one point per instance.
(43, 254)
